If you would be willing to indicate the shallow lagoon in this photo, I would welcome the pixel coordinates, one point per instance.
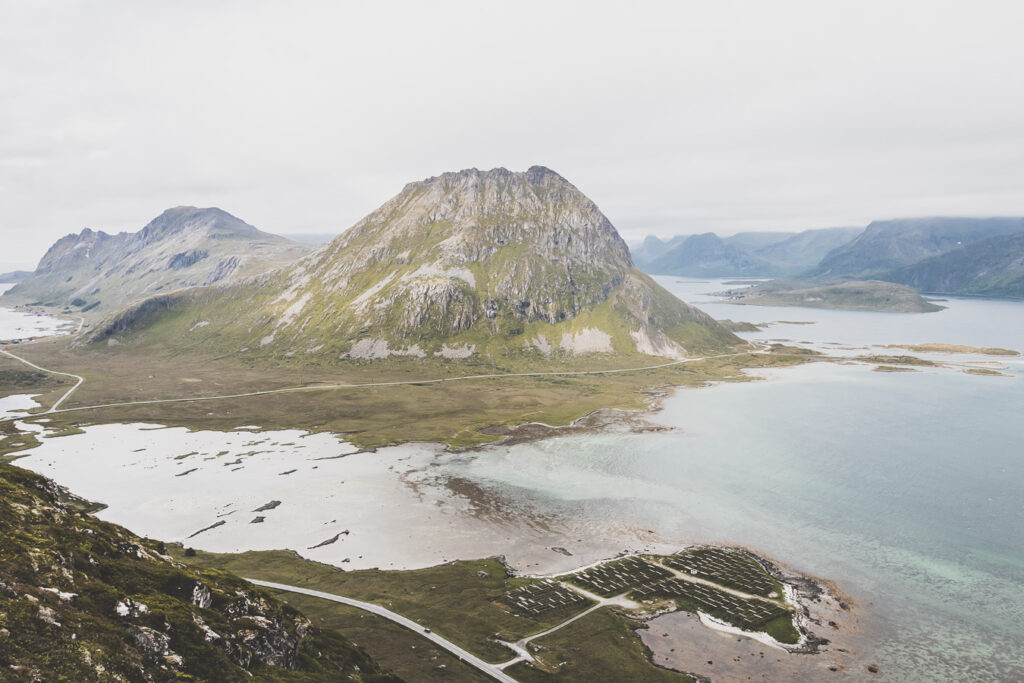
(16, 324)
(907, 489)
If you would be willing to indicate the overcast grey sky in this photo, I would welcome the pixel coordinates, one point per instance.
(675, 117)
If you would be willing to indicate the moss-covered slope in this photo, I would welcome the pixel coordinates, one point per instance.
(84, 600)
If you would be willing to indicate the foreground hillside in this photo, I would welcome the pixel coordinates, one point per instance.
(94, 272)
(85, 600)
(467, 265)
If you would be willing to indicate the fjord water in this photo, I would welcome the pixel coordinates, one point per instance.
(15, 323)
(905, 488)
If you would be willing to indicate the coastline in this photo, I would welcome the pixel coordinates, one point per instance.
(601, 421)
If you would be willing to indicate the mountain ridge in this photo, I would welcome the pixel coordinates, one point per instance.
(750, 254)
(891, 244)
(467, 263)
(182, 247)
(989, 267)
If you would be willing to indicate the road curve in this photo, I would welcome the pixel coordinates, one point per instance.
(467, 657)
(63, 398)
(328, 387)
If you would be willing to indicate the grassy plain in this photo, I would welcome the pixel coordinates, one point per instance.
(455, 600)
(459, 601)
(601, 646)
(455, 412)
(406, 654)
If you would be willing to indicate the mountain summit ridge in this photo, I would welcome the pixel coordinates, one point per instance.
(461, 264)
(183, 247)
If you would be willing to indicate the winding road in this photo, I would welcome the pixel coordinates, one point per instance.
(63, 398)
(55, 408)
(465, 656)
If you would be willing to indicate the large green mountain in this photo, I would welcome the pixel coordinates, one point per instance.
(991, 267)
(95, 272)
(473, 264)
(888, 245)
(86, 600)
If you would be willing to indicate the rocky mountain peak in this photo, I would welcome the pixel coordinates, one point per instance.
(185, 246)
(217, 223)
(466, 263)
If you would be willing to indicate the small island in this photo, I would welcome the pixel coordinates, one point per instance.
(867, 295)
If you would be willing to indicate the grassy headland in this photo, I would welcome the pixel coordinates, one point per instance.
(453, 412)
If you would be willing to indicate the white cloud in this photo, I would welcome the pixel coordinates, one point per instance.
(673, 117)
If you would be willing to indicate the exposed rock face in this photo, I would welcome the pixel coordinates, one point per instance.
(85, 600)
(460, 265)
(471, 245)
(182, 247)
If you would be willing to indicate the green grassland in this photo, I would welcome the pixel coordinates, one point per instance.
(458, 413)
(405, 653)
(463, 602)
(456, 600)
(601, 646)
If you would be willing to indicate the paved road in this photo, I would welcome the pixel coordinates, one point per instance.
(326, 387)
(63, 398)
(467, 657)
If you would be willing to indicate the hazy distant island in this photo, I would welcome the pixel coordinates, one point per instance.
(868, 295)
(940, 255)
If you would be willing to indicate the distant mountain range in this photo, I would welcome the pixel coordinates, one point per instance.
(976, 256)
(471, 264)
(989, 267)
(885, 246)
(183, 247)
(15, 276)
(751, 254)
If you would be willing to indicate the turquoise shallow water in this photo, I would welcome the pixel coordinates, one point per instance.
(905, 488)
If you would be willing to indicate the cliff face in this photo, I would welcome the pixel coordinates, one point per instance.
(183, 247)
(85, 600)
(451, 251)
(457, 263)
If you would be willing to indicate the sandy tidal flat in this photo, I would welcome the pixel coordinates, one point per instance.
(386, 509)
(17, 405)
